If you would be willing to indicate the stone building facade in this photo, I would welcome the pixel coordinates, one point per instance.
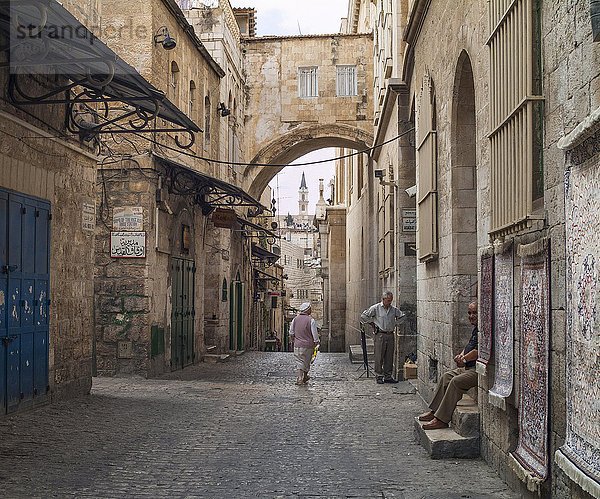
(47, 219)
(373, 187)
(476, 204)
(152, 313)
(300, 257)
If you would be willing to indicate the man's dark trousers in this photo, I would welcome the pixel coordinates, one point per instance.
(384, 353)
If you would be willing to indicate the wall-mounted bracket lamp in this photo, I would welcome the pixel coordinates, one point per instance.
(380, 174)
(164, 38)
(222, 110)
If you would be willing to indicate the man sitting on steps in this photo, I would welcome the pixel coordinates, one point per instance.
(455, 383)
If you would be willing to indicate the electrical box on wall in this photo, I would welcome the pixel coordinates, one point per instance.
(125, 349)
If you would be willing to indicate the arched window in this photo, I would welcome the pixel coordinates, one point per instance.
(207, 116)
(192, 99)
(174, 76)
(224, 290)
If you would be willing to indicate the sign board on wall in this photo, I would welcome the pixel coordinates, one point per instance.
(224, 218)
(409, 220)
(128, 245)
(128, 218)
(88, 217)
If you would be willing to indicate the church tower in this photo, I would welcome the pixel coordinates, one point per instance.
(303, 197)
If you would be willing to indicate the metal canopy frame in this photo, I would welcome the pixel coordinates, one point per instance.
(264, 256)
(47, 40)
(261, 276)
(208, 192)
(269, 235)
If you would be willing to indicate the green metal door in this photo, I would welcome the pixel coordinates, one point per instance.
(236, 316)
(240, 315)
(183, 273)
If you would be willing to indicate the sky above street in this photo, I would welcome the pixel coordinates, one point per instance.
(293, 17)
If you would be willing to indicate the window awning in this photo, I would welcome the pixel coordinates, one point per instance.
(264, 255)
(259, 275)
(209, 192)
(45, 39)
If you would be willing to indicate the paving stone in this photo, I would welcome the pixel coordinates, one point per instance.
(233, 430)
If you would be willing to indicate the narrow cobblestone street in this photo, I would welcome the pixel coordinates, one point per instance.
(235, 429)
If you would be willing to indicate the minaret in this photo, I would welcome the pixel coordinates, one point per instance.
(303, 197)
(321, 204)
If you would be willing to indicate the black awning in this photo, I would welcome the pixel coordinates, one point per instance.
(263, 254)
(46, 39)
(208, 192)
(258, 228)
(259, 275)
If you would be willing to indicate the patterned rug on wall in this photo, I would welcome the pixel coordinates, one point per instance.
(503, 326)
(532, 448)
(486, 310)
(582, 206)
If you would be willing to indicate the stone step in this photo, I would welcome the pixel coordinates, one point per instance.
(446, 443)
(356, 355)
(465, 420)
(216, 357)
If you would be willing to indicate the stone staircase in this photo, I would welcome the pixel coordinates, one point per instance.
(461, 440)
(212, 357)
(216, 357)
(356, 355)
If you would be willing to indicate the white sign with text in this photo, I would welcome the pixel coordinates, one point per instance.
(128, 218)
(128, 245)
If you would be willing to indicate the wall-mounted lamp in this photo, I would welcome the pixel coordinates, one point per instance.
(164, 38)
(222, 110)
(380, 174)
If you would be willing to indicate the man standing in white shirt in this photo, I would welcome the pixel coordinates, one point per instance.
(304, 334)
(384, 318)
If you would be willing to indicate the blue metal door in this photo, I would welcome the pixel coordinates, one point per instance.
(24, 300)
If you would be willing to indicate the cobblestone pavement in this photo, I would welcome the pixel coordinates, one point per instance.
(234, 430)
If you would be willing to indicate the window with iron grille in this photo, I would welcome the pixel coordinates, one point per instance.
(346, 81)
(427, 195)
(516, 102)
(308, 84)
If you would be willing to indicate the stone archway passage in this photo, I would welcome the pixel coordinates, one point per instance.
(291, 146)
(305, 93)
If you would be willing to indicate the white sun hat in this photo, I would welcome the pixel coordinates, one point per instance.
(305, 306)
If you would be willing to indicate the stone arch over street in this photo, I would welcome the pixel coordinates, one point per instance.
(305, 93)
(295, 144)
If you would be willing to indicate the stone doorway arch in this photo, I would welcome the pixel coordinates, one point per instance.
(464, 198)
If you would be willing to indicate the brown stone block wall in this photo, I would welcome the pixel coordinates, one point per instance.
(63, 174)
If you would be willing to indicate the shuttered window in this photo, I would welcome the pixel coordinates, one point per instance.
(427, 195)
(346, 81)
(515, 114)
(308, 84)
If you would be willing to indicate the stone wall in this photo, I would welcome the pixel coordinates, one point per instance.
(572, 93)
(62, 173)
(571, 90)
(441, 291)
(336, 251)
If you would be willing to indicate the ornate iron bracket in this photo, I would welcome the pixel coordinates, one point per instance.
(89, 111)
(208, 192)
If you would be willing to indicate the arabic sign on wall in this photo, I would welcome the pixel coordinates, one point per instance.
(409, 220)
(88, 217)
(128, 245)
(128, 218)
